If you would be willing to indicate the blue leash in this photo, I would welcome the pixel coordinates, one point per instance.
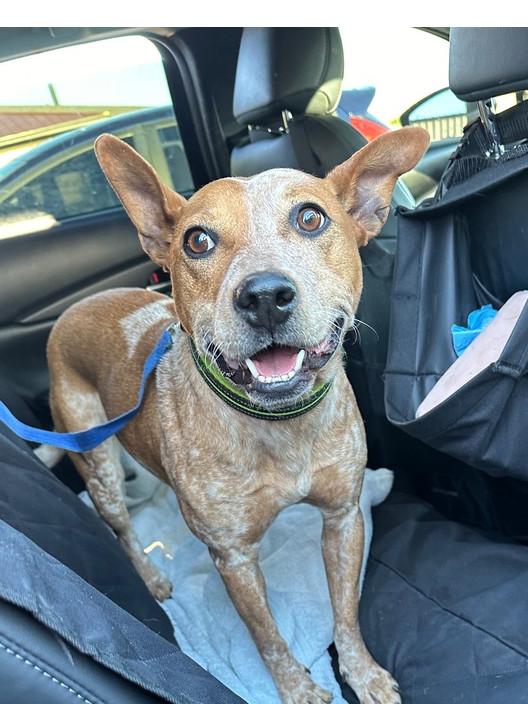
(88, 439)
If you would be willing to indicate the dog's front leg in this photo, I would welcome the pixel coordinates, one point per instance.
(246, 587)
(343, 538)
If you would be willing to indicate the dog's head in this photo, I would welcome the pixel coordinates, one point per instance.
(266, 271)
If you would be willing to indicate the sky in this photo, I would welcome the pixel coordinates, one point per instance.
(123, 71)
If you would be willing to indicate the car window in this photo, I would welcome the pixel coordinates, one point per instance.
(398, 66)
(74, 187)
(442, 114)
(48, 125)
(399, 77)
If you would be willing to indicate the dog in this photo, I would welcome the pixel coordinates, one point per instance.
(250, 410)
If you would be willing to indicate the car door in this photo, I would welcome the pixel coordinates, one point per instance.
(63, 233)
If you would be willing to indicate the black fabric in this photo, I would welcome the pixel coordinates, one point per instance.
(37, 504)
(489, 195)
(299, 69)
(429, 255)
(16, 404)
(37, 665)
(512, 124)
(63, 566)
(366, 351)
(313, 144)
(472, 157)
(465, 249)
(484, 423)
(443, 608)
(496, 222)
(251, 158)
(95, 626)
(487, 61)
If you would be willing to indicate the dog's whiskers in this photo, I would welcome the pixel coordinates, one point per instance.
(210, 348)
(357, 336)
(357, 333)
(362, 322)
(335, 315)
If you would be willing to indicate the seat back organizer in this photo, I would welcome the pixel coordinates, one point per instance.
(463, 253)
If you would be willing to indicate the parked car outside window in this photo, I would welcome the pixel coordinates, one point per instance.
(48, 169)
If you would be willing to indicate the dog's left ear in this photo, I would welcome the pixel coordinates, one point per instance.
(365, 182)
(152, 206)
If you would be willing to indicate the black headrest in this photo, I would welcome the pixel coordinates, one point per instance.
(299, 69)
(487, 61)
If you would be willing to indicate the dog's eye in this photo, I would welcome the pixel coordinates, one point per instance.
(310, 219)
(198, 243)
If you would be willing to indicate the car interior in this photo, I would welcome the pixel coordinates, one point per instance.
(442, 602)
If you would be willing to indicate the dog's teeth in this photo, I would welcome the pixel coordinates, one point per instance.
(274, 379)
(252, 368)
(299, 360)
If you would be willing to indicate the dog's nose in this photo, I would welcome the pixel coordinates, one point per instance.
(266, 298)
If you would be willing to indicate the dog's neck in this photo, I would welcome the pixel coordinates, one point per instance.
(238, 400)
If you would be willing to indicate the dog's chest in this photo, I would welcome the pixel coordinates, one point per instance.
(214, 454)
(281, 459)
(247, 458)
(256, 459)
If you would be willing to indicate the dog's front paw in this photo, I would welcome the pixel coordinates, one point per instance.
(372, 685)
(160, 587)
(299, 688)
(308, 694)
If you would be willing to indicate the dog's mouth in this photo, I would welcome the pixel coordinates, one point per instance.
(277, 370)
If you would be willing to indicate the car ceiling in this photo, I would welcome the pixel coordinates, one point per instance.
(20, 41)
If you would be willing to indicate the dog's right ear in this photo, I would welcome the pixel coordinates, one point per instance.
(152, 206)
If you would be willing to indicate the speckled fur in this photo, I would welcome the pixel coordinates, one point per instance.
(232, 473)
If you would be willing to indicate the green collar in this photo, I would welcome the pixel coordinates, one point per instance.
(238, 399)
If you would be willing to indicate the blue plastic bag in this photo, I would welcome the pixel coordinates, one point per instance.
(477, 321)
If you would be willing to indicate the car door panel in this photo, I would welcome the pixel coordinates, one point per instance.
(51, 270)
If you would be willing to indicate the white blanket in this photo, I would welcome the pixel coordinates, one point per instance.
(206, 624)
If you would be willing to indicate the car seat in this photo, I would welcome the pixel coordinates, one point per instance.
(462, 249)
(76, 620)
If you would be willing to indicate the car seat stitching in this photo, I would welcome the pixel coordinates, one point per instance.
(45, 674)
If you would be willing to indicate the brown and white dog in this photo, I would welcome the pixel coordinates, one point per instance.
(266, 279)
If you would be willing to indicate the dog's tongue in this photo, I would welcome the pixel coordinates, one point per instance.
(275, 361)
